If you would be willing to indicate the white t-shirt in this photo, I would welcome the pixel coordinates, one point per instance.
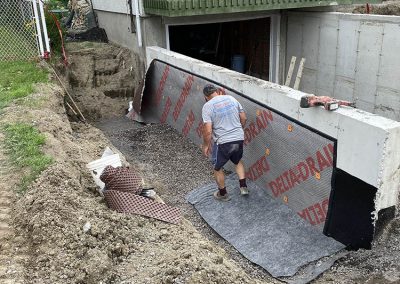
(223, 112)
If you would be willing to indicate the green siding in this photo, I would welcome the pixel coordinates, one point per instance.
(177, 8)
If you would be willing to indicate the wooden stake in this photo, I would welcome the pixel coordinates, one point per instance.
(68, 105)
(290, 71)
(299, 74)
(70, 97)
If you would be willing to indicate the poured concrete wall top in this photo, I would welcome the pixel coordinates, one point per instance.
(350, 57)
(179, 8)
(367, 144)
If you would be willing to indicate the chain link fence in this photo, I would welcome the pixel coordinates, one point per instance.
(18, 36)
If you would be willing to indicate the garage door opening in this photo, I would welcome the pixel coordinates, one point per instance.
(243, 46)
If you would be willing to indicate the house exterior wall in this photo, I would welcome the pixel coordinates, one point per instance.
(350, 57)
(116, 6)
(117, 28)
(114, 18)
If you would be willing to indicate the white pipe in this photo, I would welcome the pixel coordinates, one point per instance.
(271, 49)
(275, 44)
(167, 37)
(33, 20)
(38, 30)
(278, 47)
(44, 26)
(138, 27)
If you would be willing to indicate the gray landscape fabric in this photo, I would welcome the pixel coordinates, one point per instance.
(262, 229)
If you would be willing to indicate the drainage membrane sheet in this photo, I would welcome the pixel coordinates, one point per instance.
(291, 162)
(262, 229)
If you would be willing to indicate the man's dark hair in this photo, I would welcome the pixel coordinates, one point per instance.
(209, 89)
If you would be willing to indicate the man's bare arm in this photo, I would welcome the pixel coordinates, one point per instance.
(207, 132)
(243, 118)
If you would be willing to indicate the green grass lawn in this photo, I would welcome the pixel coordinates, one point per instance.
(17, 80)
(23, 146)
(22, 141)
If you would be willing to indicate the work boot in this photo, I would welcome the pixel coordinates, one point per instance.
(244, 191)
(220, 197)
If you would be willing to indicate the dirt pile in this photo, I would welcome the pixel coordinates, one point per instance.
(11, 269)
(102, 78)
(384, 8)
(69, 234)
(117, 247)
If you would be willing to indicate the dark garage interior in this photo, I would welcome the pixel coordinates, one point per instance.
(243, 46)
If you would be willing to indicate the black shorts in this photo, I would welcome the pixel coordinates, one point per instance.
(222, 153)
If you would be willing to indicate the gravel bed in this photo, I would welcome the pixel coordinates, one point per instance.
(175, 166)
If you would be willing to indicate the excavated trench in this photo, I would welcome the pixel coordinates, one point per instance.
(102, 83)
(63, 232)
(102, 80)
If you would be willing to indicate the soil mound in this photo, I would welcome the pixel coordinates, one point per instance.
(385, 8)
(70, 235)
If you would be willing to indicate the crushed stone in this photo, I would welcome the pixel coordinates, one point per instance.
(176, 166)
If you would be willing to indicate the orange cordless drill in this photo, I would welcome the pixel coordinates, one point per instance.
(327, 102)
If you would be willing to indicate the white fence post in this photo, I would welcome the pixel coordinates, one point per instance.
(38, 29)
(44, 26)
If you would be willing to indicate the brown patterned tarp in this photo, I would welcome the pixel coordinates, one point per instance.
(126, 202)
(121, 179)
(122, 189)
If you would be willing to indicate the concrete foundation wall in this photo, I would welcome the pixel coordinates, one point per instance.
(154, 32)
(117, 6)
(367, 144)
(117, 27)
(350, 57)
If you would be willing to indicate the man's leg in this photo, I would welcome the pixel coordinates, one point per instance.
(218, 162)
(236, 158)
(220, 178)
(242, 178)
(221, 193)
(240, 170)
